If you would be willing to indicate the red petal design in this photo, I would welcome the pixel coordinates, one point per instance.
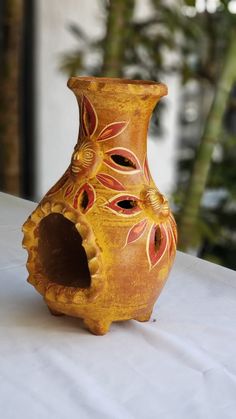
(114, 206)
(155, 255)
(172, 244)
(69, 190)
(89, 117)
(173, 226)
(136, 231)
(112, 130)
(110, 182)
(146, 170)
(61, 182)
(125, 154)
(91, 195)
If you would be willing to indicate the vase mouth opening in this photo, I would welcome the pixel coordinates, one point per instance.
(112, 85)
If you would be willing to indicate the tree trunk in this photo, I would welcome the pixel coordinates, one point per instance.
(9, 96)
(120, 13)
(198, 178)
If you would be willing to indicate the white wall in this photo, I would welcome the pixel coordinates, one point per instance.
(162, 154)
(56, 107)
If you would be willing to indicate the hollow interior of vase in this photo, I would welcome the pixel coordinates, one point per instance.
(61, 255)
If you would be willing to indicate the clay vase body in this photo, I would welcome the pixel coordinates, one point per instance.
(102, 240)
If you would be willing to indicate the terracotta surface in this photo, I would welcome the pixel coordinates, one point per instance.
(102, 241)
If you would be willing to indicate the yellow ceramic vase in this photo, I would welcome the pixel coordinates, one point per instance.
(102, 240)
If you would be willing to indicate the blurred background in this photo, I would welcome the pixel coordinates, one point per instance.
(188, 44)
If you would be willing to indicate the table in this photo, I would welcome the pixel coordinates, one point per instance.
(181, 364)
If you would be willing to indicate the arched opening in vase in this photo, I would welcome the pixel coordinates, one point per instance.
(62, 257)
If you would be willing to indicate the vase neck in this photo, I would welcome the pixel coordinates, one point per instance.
(116, 110)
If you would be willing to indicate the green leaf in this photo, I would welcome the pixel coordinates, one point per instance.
(190, 3)
(72, 63)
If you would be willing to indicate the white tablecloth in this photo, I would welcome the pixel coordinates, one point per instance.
(181, 364)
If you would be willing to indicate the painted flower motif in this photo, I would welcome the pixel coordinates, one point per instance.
(162, 236)
(87, 156)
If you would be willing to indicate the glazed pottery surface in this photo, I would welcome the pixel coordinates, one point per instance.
(102, 240)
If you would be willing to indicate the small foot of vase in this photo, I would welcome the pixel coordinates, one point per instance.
(144, 317)
(54, 312)
(97, 327)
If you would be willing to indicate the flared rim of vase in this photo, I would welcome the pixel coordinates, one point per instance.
(113, 85)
